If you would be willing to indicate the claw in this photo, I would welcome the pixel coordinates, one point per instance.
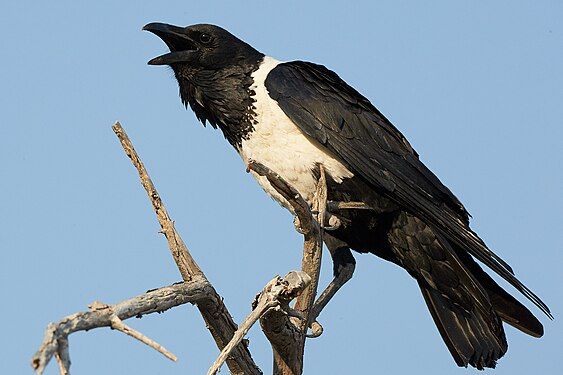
(316, 330)
(333, 223)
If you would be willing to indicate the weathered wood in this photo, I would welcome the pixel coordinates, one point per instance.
(214, 312)
(276, 295)
(288, 340)
(312, 251)
(55, 342)
(285, 327)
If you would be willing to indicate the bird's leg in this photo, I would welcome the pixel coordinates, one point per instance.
(343, 269)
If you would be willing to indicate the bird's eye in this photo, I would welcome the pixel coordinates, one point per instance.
(204, 38)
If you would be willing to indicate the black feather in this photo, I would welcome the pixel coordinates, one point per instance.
(317, 100)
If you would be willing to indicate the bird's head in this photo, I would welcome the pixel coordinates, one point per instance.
(213, 69)
(201, 46)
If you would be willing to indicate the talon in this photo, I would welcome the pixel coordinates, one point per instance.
(333, 223)
(316, 330)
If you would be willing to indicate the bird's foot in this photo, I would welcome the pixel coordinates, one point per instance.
(316, 330)
(334, 222)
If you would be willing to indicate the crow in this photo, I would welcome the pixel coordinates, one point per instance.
(294, 117)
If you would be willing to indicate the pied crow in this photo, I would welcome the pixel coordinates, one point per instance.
(293, 117)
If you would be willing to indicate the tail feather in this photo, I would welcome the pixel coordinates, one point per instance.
(467, 305)
(469, 338)
(509, 308)
(514, 313)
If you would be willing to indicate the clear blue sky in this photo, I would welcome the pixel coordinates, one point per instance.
(476, 87)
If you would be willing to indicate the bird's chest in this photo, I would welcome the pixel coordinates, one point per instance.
(280, 145)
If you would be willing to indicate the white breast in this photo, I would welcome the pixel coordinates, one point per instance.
(280, 145)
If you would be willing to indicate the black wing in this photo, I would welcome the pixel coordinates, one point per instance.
(327, 109)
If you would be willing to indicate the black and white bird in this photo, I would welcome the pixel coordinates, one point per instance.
(295, 116)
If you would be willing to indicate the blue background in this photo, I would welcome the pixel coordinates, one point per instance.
(476, 87)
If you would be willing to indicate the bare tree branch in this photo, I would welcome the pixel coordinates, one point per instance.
(55, 342)
(213, 310)
(288, 341)
(285, 327)
(118, 324)
(186, 264)
(312, 251)
(276, 295)
(62, 356)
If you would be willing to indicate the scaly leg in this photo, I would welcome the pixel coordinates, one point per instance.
(343, 269)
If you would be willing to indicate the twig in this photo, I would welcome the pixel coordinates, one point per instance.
(117, 324)
(62, 356)
(288, 343)
(299, 205)
(55, 341)
(186, 264)
(275, 295)
(214, 312)
(312, 251)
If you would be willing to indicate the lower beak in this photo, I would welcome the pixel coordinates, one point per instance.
(181, 46)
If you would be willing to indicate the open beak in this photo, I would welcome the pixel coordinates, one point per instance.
(181, 46)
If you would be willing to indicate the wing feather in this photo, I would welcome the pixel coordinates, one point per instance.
(329, 110)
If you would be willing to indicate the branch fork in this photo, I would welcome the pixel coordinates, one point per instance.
(289, 343)
(285, 326)
(55, 341)
(275, 296)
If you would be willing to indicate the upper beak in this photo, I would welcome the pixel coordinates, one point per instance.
(181, 46)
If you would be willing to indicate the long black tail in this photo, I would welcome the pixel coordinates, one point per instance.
(460, 305)
(508, 308)
(474, 338)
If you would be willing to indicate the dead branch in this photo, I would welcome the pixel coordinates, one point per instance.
(118, 324)
(55, 342)
(62, 355)
(186, 264)
(214, 312)
(288, 340)
(285, 327)
(312, 250)
(276, 295)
